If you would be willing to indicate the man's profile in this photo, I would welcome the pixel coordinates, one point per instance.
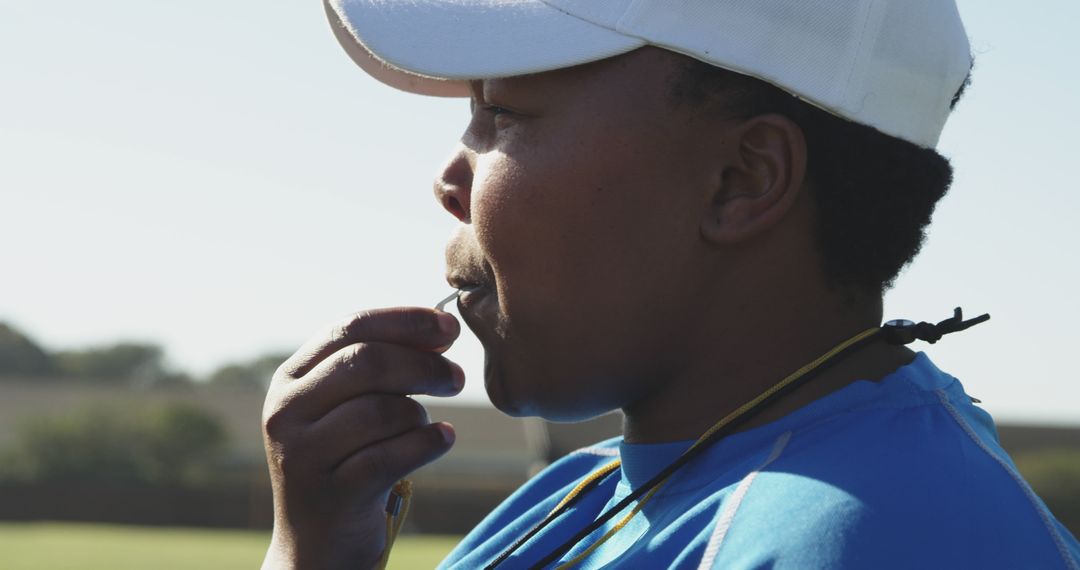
(687, 211)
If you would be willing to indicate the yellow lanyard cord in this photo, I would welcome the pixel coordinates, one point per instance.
(716, 427)
(586, 482)
(785, 382)
(618, 526)
(401, 498)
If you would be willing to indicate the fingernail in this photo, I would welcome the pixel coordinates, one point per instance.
(457, 373)
(447, 322)
(447, 432)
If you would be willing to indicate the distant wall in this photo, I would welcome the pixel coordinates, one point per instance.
(494, 455)
(22, 400)
(1019, 439)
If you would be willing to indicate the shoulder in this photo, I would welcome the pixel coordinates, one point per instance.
(555, 480)
(531, 502)
(570, 468)
(919, 481)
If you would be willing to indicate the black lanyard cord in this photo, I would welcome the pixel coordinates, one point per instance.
(895, 332)
(554, 555)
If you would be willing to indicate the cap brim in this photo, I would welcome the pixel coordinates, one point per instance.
(434, 47)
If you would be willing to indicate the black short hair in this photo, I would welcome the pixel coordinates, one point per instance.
(874, 193)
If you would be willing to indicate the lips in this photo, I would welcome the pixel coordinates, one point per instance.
(468, 281)
(473, 284)
(469, 271)
(474, 289)
(466, 266)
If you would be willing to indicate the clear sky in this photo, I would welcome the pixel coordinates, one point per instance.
(218, 177)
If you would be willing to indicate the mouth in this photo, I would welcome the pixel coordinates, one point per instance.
(478, 305)
(468, 271)
(469, 292)
(457, 294)
(466, 284)
(466, 267)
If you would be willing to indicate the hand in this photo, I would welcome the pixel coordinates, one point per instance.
(340, 430)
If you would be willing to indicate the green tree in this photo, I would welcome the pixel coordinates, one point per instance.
(251, 375)
(21, 356)
(121, 363)
(162, 444)
(181, 442)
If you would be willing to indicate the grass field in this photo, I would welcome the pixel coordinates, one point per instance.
(56, 546)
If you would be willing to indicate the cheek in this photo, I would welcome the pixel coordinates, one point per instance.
(558, 218)
(582, 244)
(532, 216)
(500, 204)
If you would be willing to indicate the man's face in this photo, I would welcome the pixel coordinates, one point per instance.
(580, 193)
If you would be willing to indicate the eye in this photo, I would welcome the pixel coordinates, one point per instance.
(495, 109)
(497, 116)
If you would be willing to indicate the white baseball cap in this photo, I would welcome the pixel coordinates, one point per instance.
(894, 65)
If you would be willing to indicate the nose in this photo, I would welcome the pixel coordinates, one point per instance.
(453, 187)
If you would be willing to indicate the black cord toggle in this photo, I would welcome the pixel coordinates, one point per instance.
(906, 332)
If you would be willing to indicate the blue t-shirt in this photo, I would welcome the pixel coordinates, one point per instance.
(901, 473)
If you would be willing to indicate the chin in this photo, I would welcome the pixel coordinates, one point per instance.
(501, 396)
(516, 396)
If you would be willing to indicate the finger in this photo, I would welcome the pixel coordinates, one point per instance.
(368, 368)
(417, 327)
(361, 422)
(382, 464)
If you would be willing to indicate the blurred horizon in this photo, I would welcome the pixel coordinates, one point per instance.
(220, 180)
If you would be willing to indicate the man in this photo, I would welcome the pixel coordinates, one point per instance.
(670, 208)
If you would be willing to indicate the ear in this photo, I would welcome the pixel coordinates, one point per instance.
(758, 179)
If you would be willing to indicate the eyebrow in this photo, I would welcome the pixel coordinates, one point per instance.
(477, 87)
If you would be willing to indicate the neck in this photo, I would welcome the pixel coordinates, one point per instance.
(725, 369)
